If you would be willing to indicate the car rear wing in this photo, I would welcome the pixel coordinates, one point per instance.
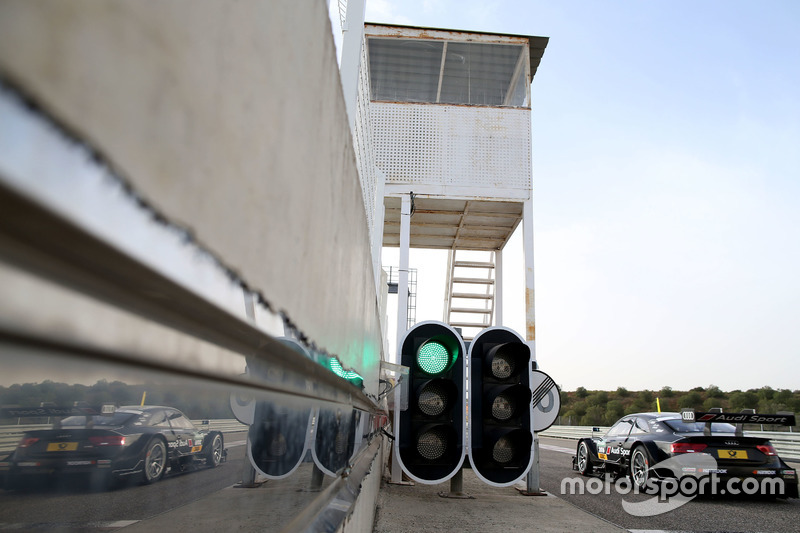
(746, 416)
(58, 412)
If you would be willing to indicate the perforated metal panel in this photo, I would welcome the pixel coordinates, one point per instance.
(362, 138)
(481, 147)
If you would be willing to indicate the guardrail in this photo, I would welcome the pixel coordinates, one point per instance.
(10, 435)
(787, 444)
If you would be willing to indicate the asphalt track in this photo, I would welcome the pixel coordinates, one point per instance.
(76, 508)
(719, 514)
(73, 509)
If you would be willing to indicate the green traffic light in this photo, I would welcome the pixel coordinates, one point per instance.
(433, 357)
(339, 370)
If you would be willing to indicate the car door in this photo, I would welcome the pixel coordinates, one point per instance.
(615, 439)
(158, 421)
(639, 430)
(184, 431)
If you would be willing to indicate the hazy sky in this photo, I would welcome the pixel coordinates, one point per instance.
(666, 167)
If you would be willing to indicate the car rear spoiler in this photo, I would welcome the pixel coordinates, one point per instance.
(51, 410)
(746, 416)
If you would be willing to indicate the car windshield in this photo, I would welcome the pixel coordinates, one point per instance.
(117, 419)
(679, 426)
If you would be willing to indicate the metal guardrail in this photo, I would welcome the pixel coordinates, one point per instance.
(787, 444)
(10, 435)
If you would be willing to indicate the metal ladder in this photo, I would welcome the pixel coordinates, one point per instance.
(469, 302)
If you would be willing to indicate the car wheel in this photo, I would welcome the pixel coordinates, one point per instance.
(584, 465)
(214, 453)
(639, 468)
(155, 461)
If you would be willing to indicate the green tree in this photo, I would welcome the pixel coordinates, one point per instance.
(581, 392)
(594, 416)
(711, 403)
(665, 392)
(614, 411)
(691, 400)
(744, 400)
(598, 398)
(714, 392)
(579, 408)
(783, 396)
(766, 392)
(622, 392)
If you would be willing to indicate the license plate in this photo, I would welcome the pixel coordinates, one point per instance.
(732, 454)
(62, 446)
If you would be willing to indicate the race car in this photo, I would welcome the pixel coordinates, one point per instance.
(638, 444)
(131, 442)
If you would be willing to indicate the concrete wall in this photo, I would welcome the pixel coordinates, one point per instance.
(229, 118)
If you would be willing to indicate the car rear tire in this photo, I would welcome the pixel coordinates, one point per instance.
(639, 467)
(214, 453)
(582, 460)
(155, 461)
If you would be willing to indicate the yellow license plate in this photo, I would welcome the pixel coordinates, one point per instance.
(196, 449)
(62, 446)
(732, 454)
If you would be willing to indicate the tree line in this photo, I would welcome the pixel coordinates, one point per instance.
(602, 408)
(196, 403)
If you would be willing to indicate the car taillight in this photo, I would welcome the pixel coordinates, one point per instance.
(687, 447)
(767, 449)
(111, 440)
(27, 441)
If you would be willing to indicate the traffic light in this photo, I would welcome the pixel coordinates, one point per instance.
(335, 438)
(501, 442)
(430, 408)
(278, 436)
(278, 439)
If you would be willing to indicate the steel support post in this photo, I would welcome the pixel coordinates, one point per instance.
(457, 487)
(317, 476)
(498, 288)
(248, 473)
(402, 306)
(530, 324)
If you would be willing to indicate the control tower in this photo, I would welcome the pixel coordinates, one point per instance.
(451, 127)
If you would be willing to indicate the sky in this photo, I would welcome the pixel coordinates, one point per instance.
(666, 170)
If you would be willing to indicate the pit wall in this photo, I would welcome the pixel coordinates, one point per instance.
(224, 126)
(229, 119)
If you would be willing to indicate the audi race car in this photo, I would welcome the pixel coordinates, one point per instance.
(132, 442)
(701, 444)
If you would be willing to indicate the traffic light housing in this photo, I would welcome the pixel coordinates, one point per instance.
(501, 438)
(430, 430)
(335, 438)
(279, 434)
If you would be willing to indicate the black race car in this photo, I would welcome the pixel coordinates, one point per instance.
(133, 442)
(637, 443)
